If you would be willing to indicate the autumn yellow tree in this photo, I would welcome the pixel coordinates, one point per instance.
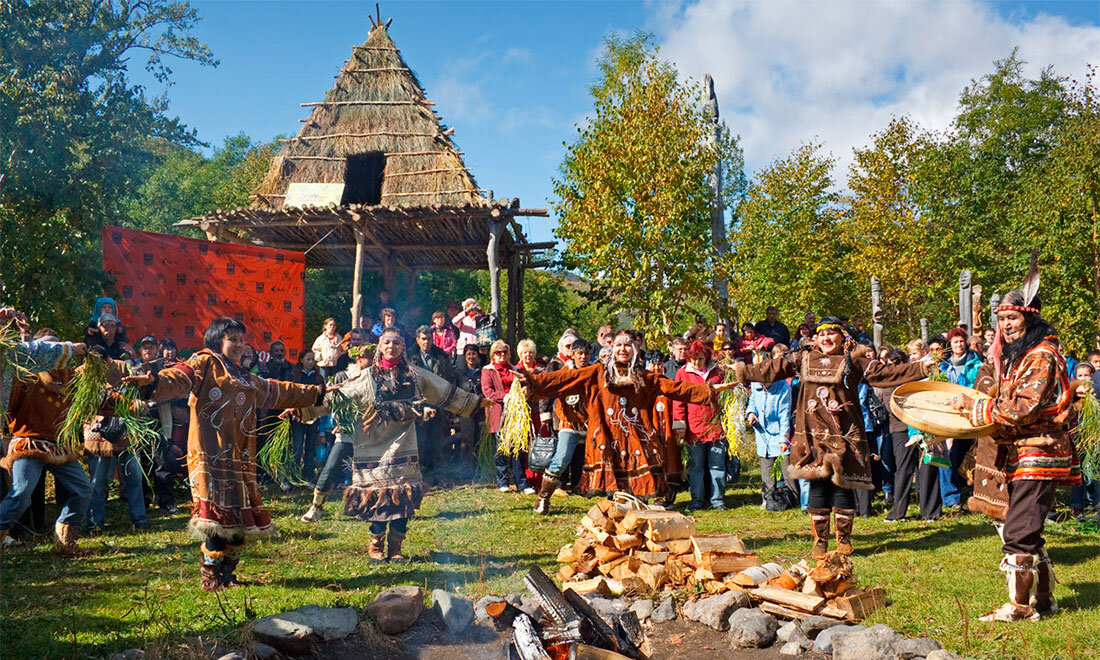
(632, 200)
(785, 249)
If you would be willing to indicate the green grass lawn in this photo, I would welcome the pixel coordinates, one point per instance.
(143, 589)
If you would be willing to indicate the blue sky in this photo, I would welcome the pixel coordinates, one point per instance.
(511, 77)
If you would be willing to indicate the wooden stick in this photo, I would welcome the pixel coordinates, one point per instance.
(434, 192)
(416, 172)
(377, 69)
(329, 136)
(312, 104)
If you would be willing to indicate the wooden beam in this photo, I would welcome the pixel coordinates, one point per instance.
(531, 213)
(330, 136)
(527, 247)
(377, 69)
(390, 175)
(434, 192)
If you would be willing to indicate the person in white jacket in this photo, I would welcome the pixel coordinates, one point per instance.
(326, 348)
(466, 324)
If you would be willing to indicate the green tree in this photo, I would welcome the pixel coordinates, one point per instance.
(785, 244)
(632, 198)
(183, 183)
(76, 132)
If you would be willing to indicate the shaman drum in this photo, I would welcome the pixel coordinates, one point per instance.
(926, 405)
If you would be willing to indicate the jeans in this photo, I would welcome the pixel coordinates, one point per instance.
(707, 473)
(568, 440)
(804, 493)
(502, 462)
(399, 526)
(129, 472)
(884, 447)
(338, 459)
(305, 447)
(24, 477)
(950, 492)
(1085, 496)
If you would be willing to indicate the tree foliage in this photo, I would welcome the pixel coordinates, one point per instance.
(76, 133)
(785, 246)
(633, 200)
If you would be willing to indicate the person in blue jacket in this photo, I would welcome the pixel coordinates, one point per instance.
(961, 367)
(769, 413)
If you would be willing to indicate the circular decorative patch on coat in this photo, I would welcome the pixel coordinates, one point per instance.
(240, 398)
(660, 406)
(822, 392)
(811, 405)
(622, 401)
(610, 412)
(573, 399)
(215, 393)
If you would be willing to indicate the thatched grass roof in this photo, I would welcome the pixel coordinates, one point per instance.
(376, 105)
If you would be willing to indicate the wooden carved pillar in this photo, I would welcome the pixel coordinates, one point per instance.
(965, 311)
(513, 298)
(876, 310)
(994, 303)
(924, 330)
(521, 273)
(389, 274)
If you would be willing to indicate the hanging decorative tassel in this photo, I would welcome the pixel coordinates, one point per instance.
(1086, 436)
(515, 423)
(85, 392)
(485, 468)
(276, 457)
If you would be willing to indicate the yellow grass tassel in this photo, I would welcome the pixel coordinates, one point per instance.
(739, 443)
(515, 423)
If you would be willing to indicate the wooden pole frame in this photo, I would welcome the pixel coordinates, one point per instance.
(357, 279)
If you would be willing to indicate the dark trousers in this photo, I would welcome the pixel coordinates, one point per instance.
(338, 457)
(1029, 502)
(429, 440)
(824, 494)
(399, 526)
(906, 463)
(305, 447)
(502, 463)
(159, 467)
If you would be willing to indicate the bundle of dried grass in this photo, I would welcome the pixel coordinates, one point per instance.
(1087, 436)
(276, 457)
(734, 427)
(86, 392)
(515, 423)
(140, 428)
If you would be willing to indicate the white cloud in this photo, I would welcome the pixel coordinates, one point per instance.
(786, 71)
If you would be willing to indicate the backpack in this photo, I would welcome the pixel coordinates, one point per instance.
(880, 415)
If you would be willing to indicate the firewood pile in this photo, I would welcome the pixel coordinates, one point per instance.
(625, 548)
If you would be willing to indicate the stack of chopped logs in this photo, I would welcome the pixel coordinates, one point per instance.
(569, 629)
(621, 549)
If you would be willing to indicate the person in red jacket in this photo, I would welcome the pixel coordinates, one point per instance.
(700, 429)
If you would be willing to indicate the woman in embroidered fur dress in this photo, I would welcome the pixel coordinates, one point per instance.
(829, 447)
(227, 509)
(390, 395)
(623, 451)
(1030, 451)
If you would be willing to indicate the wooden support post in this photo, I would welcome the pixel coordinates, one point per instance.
(924, 329)
(994, 303)
(513, 298)
(521, 320)
(389, 273)
(411, 295)
(357, 280)
(492, 253)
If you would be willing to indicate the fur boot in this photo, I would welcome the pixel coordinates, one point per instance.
(1020, 571)
(393, 548)
(375, 551)
(316, 509)
(819, 526)
(844, 521)
(549, 483)
(1043, 599)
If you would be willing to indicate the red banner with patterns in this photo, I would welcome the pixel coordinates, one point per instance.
(174, 287)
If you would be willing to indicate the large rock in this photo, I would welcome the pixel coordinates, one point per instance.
(642, 608)
(262, 651)
(752, 628)
(129, 654)
(665, 612)
(480, 615)
(233, 655)
(875, 643)
(812, 626)
(457, 612)
(397, 608)
(715, 611)
(823, 643)
(942, 655)
(785, 630)
(791, 648)
(297, 630)
(919, 647)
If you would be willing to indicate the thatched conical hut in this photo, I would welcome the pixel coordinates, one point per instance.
(373, 180)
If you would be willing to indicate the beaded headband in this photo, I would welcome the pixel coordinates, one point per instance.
(1016, 308)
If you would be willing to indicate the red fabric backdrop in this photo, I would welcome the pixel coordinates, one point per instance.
(174, 287)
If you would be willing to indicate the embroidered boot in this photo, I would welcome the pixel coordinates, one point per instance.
(316, 510)
(375, 549)
(542, 506)
(209, 570)
(1020, 571)
(819, 525)
(227, 575)
(65, 539)
(393, 548)
(844, 521)
(1043, 600)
